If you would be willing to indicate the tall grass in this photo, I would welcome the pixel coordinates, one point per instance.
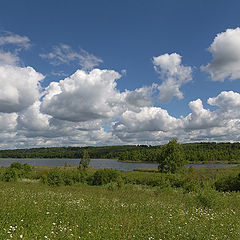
(37, 211)
(125, 205)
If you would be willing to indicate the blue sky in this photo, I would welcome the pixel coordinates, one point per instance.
(118, 72)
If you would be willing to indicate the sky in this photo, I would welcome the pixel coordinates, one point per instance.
(106, 72)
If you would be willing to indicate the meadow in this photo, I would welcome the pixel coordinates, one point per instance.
(134, 209)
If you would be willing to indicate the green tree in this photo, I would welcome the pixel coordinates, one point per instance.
(85, 160)
(171, 157)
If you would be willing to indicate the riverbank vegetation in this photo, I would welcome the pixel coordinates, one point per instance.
(225, 179)
(205, 152)
(69, 203)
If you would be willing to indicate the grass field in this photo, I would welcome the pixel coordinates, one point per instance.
(31, 210)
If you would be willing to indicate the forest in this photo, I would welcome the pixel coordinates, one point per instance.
(202, 152)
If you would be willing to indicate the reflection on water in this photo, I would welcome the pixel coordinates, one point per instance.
(97, 163)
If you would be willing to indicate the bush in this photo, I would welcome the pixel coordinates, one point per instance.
(71, 177)
(16, 165)
(104, 176)
(119, 183)
(9, 175)
(55, 177)
(228, 183)
(209, 198)
(22, 170)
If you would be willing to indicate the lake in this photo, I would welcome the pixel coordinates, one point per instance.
(97, 163)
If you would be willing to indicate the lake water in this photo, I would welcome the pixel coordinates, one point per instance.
(97, 163)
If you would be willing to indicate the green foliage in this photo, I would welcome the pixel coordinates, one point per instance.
(228, 183)
(16, 165)
(207, 197)
(85, 160)
(117, 184)
(71, 177)
(55, 177)
(104, 176)
(22, 170)
(203, 152)
(171, 158)
(9, 175)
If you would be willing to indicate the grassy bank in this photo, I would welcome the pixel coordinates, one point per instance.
(37, 211)
(196, 203)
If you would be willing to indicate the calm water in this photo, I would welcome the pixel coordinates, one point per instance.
(97, 163)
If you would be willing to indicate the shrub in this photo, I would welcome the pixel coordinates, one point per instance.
(228, 183)
(9, 175)
(22, 170)
(104, 176)
(16, 165)
(55, 177)
(74, 176)
(209, 198)
(119, 183)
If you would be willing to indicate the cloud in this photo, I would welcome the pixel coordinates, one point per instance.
(173, 75)
(8, 122)
(140, 97)
(7, 38)
(32, 119)
(31, 122)
(147, 119)
(83, 96)
(226, 100)
(59, 74)
(88, 96)
(142, 125)
(200, 118)
(64, 54)
(19, 88)
(154, 125)
(17, 42)
(8, 58)
(225, 51)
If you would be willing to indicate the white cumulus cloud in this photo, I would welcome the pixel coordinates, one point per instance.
(200, 118)
(83, 96)
(173, 75)
(225, 51)
(147, 119)
(19, 88)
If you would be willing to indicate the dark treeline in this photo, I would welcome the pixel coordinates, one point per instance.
(69, 152)
(194, 152)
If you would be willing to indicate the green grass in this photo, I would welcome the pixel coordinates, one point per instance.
(31, 210)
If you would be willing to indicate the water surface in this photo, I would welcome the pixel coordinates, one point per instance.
(97, 163)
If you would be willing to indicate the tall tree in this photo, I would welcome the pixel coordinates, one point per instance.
(85, 160)
(171, 158)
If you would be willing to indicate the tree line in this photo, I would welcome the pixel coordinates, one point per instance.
(193, 152)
